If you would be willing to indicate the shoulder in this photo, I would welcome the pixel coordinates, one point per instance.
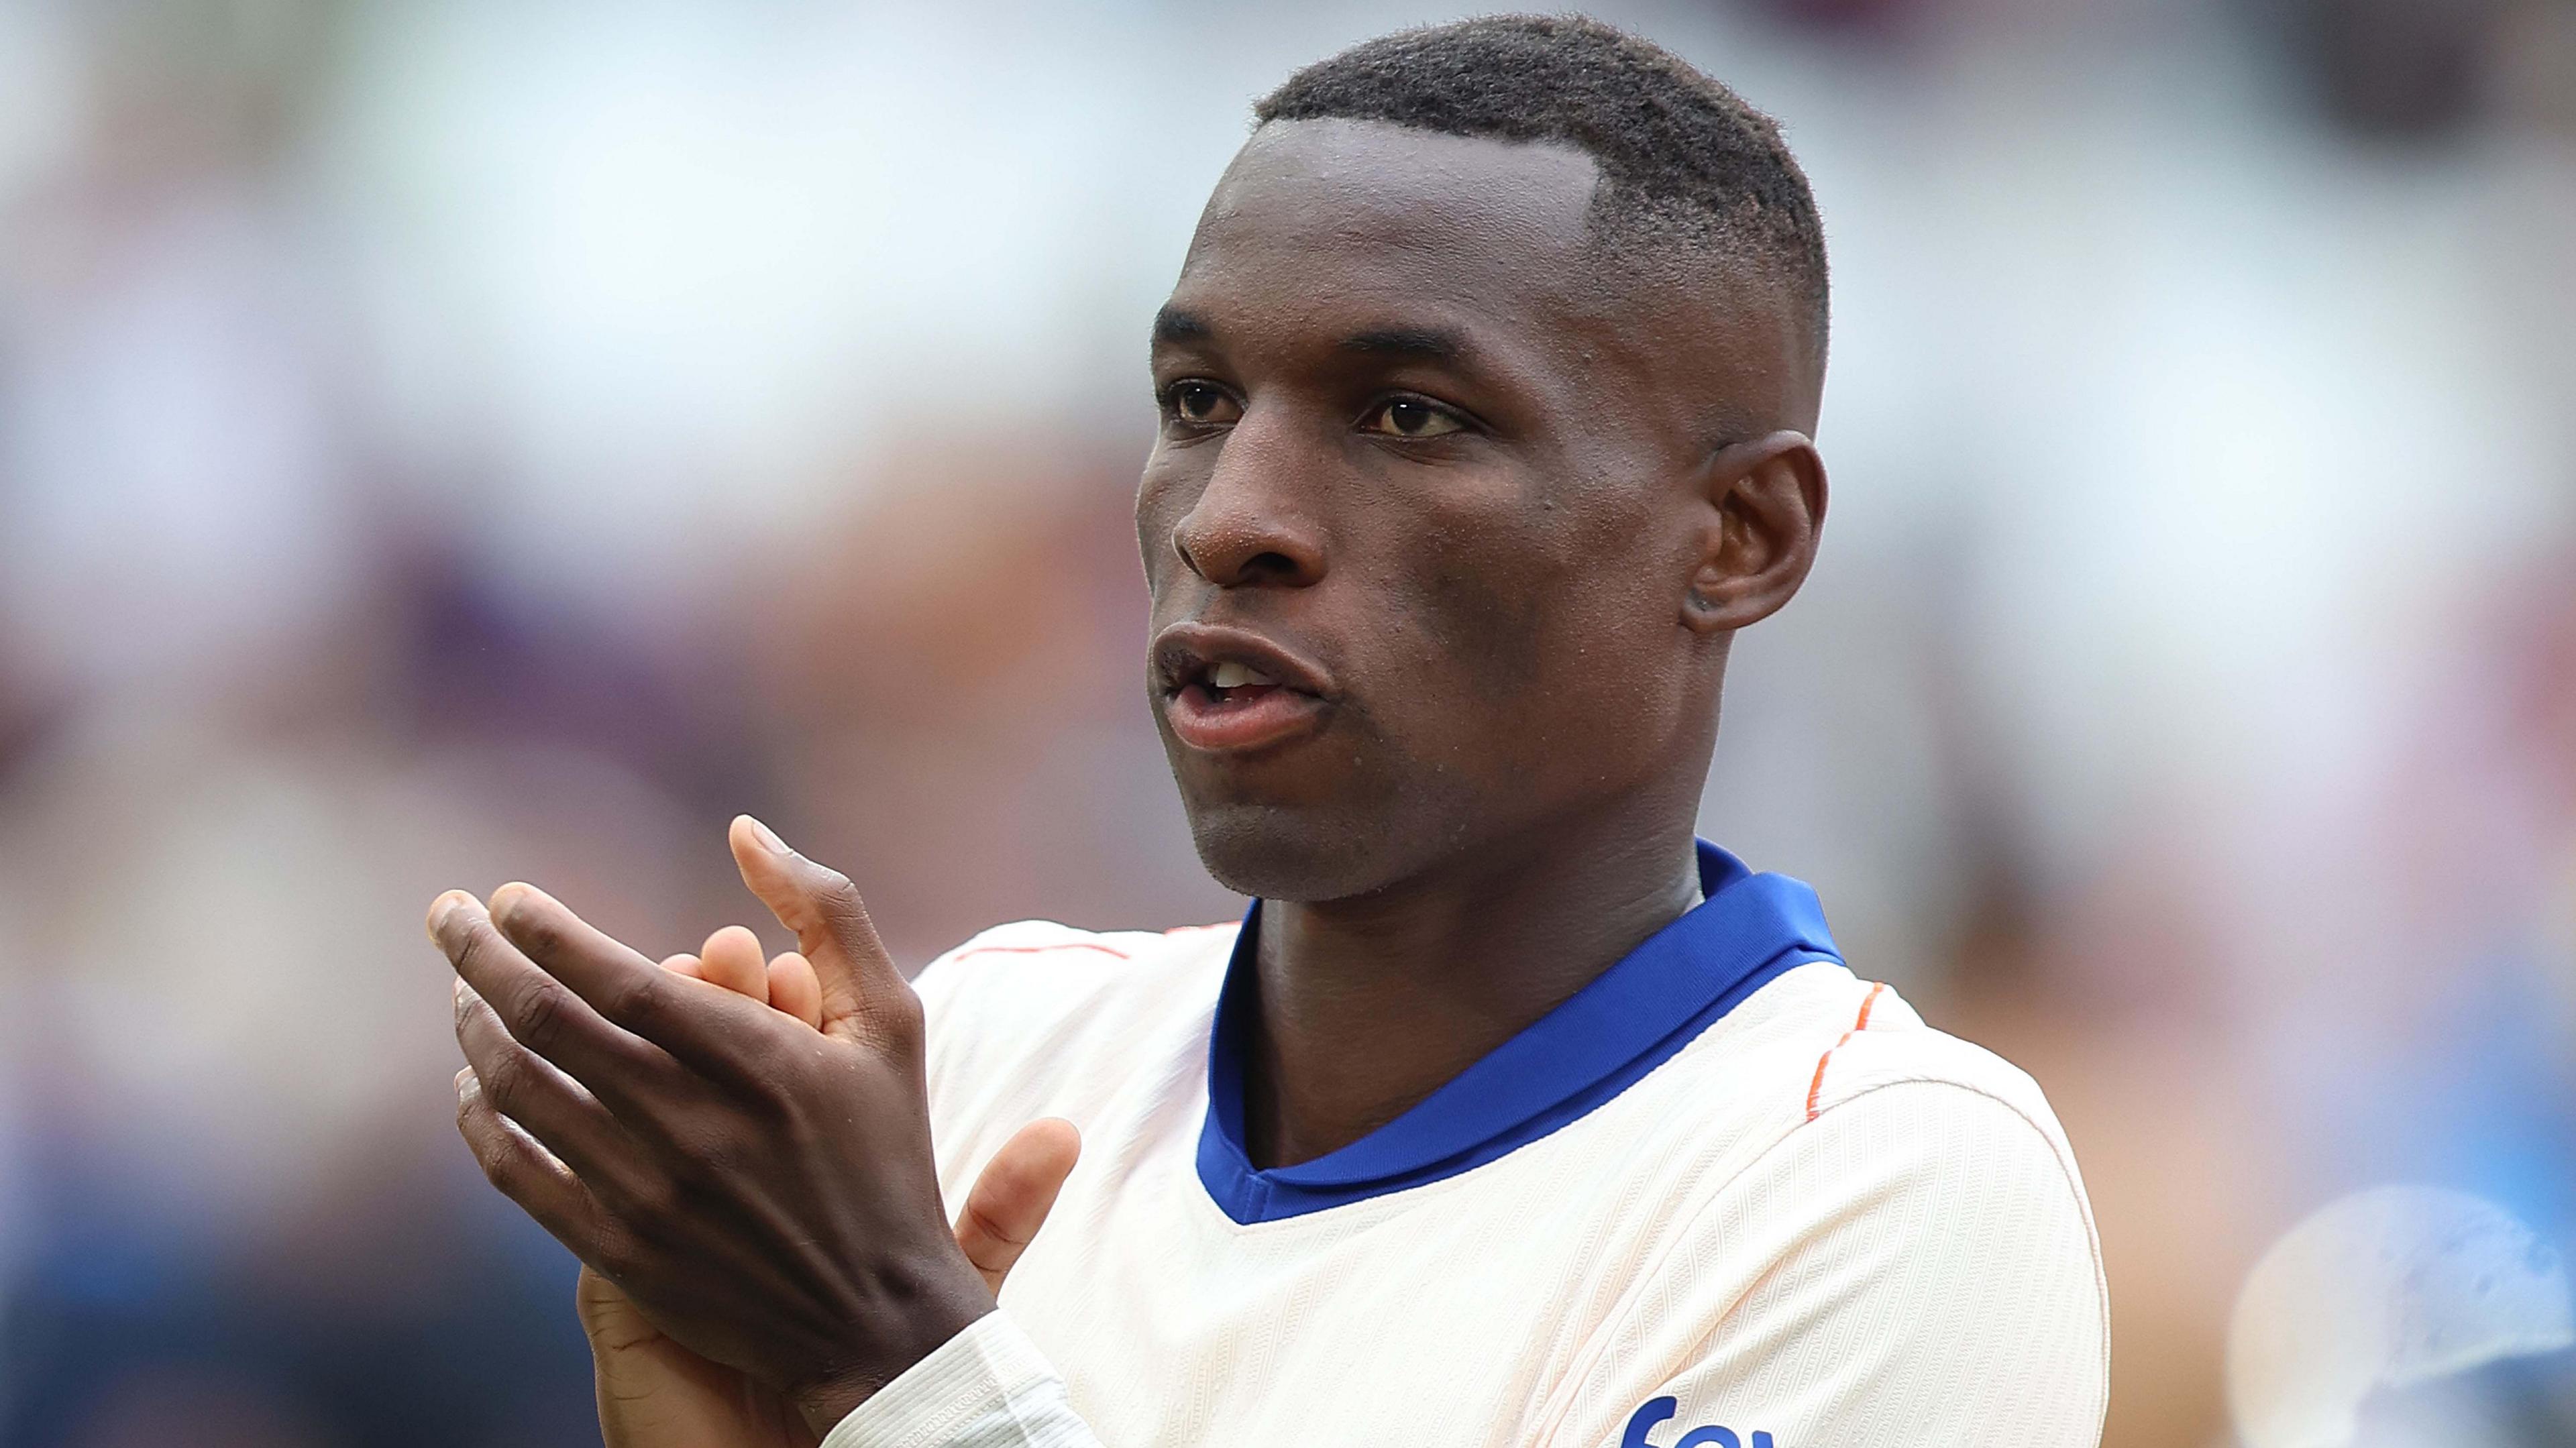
(1853, 1115)
(1928, 1166)
(1032, 973)
(1916, 1265)
(1857, 1086)
(1898, 1249)
(1887, 1063)
(1930, 1214)
(1818, 1042)
(1036, 1018)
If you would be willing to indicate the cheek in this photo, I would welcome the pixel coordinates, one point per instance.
(1523, 653)
(1488, 619)
(1503, 627)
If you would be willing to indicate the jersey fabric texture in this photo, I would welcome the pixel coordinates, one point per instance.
(1725, 1196)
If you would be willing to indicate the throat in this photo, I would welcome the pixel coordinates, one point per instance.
(1362, 1010)
(1301, 1104)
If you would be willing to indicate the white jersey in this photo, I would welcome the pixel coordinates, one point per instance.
(1727, 1196)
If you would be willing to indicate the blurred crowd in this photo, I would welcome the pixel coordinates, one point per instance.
(450, 441)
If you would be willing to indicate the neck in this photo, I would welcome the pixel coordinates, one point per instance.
(1370, 1004)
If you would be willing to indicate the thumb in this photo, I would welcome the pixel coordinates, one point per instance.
(858, 978)
(1012, 1197)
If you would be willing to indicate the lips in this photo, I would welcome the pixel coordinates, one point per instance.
(1226, 691)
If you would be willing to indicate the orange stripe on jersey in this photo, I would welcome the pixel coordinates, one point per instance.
(1040, 949)
(1816, 1087)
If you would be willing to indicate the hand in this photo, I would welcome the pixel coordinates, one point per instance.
(654, 1393)
(762, 1190)
(651, 1391)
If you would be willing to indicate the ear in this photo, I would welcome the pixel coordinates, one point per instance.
(1766, 502)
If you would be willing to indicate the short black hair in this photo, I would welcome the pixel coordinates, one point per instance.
(1685, 162)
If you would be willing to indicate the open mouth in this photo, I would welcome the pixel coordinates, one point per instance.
(1229, 685)
(1225, 692)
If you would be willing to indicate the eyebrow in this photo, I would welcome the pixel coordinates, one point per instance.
(1430, 344)
(1173, 325)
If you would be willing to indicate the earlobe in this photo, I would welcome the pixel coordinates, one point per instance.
(1713, 604)
(1764, 511)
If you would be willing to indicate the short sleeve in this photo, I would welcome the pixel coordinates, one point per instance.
(1922, 1273)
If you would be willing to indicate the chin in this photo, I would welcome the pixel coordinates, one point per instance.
(1277, 852)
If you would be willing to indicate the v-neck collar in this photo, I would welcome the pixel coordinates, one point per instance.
(1598, 1042)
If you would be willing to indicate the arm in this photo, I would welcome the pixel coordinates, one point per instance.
(1915, 1267)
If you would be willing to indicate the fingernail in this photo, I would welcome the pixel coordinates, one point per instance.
(768, 838)
(440, 908)
(506, 900)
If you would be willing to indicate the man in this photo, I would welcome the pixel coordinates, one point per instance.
(1510, 1114)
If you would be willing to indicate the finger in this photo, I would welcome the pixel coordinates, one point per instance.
(712, 1030)
(539, 1010)
(732, 958)
(526, 1172)
(832, 927)
(794, 989)
(684, 964)
(1011, 1198)
(548, 1105)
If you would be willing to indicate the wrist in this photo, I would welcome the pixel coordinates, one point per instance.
(896, 1340)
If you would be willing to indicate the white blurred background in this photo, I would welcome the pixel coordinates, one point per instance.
(444, 441)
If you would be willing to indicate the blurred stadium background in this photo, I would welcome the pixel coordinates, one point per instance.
(444, 441)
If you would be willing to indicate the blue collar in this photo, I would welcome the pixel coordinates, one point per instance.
(1598, 1042)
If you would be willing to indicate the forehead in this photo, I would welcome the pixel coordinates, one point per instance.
(1332, 212)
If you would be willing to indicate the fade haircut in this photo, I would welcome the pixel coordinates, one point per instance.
(1690, 173)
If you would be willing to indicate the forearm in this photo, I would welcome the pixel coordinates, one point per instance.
(987, 1387)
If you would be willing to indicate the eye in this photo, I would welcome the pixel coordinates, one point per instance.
(1201, 404)
(1411, 417)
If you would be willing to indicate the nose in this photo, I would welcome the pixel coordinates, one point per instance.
(1250, 527)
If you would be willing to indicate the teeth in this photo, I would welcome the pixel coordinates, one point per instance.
(1231, 675)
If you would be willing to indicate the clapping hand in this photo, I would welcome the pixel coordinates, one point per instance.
(701, 1132)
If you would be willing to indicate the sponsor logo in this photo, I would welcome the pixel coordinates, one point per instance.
(1656, 1410)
